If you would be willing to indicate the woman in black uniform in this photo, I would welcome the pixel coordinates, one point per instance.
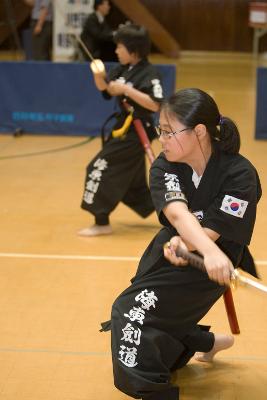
(117, 173)
(205, 194)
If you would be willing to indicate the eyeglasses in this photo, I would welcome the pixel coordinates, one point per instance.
(166, 134)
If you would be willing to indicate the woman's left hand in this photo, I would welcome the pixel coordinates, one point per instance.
(169, 251)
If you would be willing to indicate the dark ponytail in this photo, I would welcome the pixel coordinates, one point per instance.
(193, 106)
(228, 136)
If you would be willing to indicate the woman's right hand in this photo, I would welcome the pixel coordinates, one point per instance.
(219, 267)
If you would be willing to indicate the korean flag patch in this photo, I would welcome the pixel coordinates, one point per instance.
(233, 206)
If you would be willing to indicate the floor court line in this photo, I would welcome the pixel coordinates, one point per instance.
(69, 257)
(108, 354)
(60, 352)
(79, 257)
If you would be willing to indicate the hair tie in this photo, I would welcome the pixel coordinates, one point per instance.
(221, 120)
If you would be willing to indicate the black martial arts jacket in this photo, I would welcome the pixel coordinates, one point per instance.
(225, 201)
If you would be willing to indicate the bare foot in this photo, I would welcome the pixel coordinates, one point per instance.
(96, 230)
(222, 342)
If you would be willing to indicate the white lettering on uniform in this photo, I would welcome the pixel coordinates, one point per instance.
(157, 88)
(128, 356)
(95, 175)
(172, 182)
(198, 214)
(121, 79)
(136, 314)
(92, 186)
(148, 299)
(94, 180)
(88, 197)
(131, 335)
(101, 164)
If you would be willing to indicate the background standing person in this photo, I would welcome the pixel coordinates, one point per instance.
(97, 35)
(118, 172)
(205, 194)
(41, 27)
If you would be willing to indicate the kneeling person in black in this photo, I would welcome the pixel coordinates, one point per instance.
(205, 194)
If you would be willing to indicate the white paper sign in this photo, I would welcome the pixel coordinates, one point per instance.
(258, 17)
(69, 17)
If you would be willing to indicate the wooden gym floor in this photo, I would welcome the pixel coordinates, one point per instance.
(56, 288)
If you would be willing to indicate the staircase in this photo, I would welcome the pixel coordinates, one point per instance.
(141, 15)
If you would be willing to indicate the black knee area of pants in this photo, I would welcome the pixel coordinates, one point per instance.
(147, 212)
(200, 340)
(144, 212)
(183, 360)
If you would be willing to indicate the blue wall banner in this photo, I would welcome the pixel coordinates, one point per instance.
(261, 104)
(57, 98)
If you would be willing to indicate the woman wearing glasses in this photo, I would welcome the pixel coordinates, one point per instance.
(205, 194)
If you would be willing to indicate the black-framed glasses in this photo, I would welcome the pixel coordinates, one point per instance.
(167, 134)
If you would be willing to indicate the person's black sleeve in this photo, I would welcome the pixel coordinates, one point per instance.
(232, 213)
(152, 85)
(165, 185)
